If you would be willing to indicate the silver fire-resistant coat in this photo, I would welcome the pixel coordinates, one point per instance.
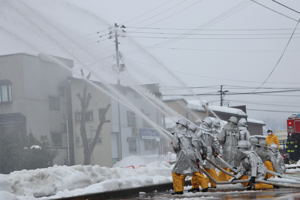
(211, 143)
(250, 165)
(267, 153)
(228, 139)
(186, 154)
(244, 133)
(277, 160)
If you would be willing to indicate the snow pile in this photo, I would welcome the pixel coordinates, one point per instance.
(63, 181)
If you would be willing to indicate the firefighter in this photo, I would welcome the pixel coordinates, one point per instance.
(198, 179)
(272, 138)
(243, 129)
(277, 159)
(262, 150)
(212, 144)
(228, 139)
(187, 159)
(216, 127)
(250, 166)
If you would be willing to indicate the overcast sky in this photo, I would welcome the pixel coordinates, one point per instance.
(235, 43)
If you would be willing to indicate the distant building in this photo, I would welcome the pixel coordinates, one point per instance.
(32, 99)
(137, 136)
(40, 97)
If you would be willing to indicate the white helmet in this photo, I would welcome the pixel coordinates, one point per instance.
(216, 123)
(183, 122)
(243, 122)
(253, 140)
(193, 127)
(207, 121)
(233, 119)
(244, 145)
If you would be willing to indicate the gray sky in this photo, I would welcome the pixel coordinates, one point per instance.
(237, 43)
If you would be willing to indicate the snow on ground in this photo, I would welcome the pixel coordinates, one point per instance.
(64, 181)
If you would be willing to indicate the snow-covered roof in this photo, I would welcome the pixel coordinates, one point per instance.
(255, 121)
(196, 105)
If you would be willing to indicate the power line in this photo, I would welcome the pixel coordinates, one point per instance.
(161, 12)
(146, 12)
(273, 10)
(292, 9)
(212, 21)
(176, 12)
(265, 104)
(278, 111)
(238, 93)
(213, 34)
(281, 56)
(210, 38)
(233, 80)
(208, 29)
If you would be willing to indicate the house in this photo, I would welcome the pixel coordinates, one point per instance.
(40, 97)
(127, 133)
(32, 100)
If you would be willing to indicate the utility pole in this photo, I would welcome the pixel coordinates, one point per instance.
(222, 94)
(115, 32)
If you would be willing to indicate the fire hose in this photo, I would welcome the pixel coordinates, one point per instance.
(271, 182)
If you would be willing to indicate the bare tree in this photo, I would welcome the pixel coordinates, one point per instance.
(89, 145)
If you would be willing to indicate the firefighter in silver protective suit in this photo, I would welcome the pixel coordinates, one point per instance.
(228, 139)
(277, 159)
(198, 179)
(271, 157)
(251, 166)
(211, 142)
(243, 129)
(188, 160)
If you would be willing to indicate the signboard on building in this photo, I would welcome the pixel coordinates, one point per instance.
(149, 133)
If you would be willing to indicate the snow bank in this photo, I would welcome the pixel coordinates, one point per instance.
(63, 181)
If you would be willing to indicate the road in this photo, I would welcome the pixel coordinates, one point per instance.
(227, 193)
(284, 193)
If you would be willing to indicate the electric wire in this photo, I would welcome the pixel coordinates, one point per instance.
(276, 111)
(260, 103)
(208, 29)
(161, 12)
(281, 56)
(273, 10)
(175, 13)
(292, 9)
(145, 13)
(224, 15)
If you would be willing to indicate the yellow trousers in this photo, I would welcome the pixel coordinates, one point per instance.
(224, 177)
(198, 179)
(178, 182)
(269, 166)
(257, 186)
(213, 173)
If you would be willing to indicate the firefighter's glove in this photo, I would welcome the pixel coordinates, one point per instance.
(216, 154)
(233, 179)
(251, 183)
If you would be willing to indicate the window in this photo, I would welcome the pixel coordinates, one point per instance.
(54, 103)
(5, 91)
(56, 139)
(150, 144)
(89, 116)
(132, 145)
(131, 119)
(77, 116)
